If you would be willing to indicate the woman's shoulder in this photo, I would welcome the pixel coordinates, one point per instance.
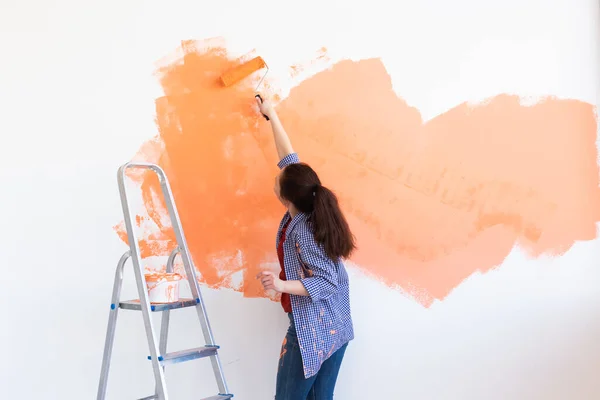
(303, 229)
(305, 237)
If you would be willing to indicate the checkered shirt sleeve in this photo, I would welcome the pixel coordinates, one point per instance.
(291, 158)
(324, 279)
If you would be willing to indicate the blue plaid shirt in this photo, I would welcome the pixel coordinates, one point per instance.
(322, 319)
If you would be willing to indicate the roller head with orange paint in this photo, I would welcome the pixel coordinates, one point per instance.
(234, 75)
(240, 72)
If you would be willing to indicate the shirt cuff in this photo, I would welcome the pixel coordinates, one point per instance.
(312, 287)
(291, 158)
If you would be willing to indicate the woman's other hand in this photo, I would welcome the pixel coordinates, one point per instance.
(270, 281)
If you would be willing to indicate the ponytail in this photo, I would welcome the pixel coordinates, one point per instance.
(300, 185)
(330, 226)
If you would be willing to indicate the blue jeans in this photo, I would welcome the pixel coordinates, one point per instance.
(291, 384)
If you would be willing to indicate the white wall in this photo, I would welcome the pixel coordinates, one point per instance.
(77, 92)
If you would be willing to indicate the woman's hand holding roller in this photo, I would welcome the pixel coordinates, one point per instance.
(282, 141)
(265, 107)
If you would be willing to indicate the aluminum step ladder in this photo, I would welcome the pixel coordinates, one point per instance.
(158, 350)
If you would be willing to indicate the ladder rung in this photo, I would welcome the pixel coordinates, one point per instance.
(217, 397)
(187, 355)
(135, 305)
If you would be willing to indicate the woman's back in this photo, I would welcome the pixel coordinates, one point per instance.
(312, 240)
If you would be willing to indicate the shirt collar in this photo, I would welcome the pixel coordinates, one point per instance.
(298, 218)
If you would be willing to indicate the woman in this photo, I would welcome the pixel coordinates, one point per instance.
(312, 240)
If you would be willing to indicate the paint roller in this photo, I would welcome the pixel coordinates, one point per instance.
(234, 75)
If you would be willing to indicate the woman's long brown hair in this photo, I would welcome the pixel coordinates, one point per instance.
(300, 185)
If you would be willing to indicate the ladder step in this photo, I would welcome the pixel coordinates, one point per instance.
(217, 397)
(136, 305)
(187, 355)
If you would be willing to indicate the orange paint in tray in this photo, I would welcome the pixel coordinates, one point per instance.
(163, 287)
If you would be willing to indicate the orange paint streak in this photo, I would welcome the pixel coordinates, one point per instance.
(430, 203)
(320, 59)
(162, 277)
(223, 191)
(283, 349)
(170, 293)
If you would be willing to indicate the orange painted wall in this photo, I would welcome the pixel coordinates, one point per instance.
(430, 203)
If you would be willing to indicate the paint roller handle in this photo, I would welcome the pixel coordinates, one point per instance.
(261, 100)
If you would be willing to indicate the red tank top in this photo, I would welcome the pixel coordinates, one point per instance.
(286, 302)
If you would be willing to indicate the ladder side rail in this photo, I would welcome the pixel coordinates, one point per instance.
(192, 279)
(164, 326)
(185, 255)
(141, 280)
(164, 323)
(112, 324)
